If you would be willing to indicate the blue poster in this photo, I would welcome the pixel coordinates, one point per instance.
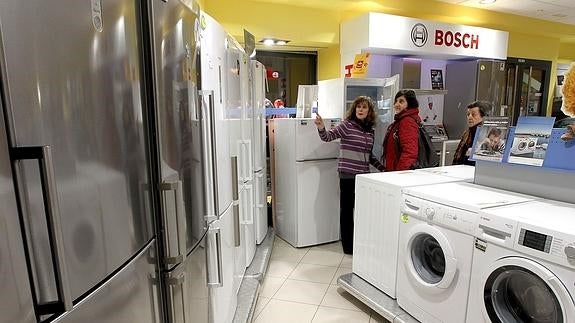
(531, 140)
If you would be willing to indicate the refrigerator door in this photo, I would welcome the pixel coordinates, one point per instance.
(74, 102)
(260, 205)
(175, 27)
(187, 290)
(16, 302)
(308, 145)
(385, 112)
(317, 202)
(131, 295)
(259, 120)
(213, 55)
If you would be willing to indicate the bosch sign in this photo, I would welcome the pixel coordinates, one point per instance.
(456, 39)
(444, 38)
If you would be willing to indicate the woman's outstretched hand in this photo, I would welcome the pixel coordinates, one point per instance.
(319, 122)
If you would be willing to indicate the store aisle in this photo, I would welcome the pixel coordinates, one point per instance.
(301, 286)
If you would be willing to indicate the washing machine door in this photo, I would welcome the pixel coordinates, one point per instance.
(430, 259)
(517, 289)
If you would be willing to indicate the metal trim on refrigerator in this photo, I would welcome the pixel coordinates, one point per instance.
(50, 197)
(236, 202)
(209, 156)
(181, 225)
(218, 249)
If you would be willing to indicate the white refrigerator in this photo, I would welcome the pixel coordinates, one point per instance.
(335, 96)
(306, 183)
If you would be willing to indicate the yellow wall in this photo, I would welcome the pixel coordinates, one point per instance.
(314, 25)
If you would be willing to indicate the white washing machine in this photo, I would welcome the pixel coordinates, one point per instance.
(436, 247)
(464, 172)
(376, 227)
(524, 264)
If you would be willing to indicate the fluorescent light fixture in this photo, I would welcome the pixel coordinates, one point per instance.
(486, 1)
(274, 41)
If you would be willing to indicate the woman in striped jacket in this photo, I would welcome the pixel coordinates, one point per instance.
(357, 134)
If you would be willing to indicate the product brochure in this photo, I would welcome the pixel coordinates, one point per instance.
(490, 142)
(437, 79)
(531, 140)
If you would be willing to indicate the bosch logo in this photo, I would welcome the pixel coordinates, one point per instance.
(419, 35)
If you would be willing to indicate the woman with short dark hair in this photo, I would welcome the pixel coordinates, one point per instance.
(401, 142)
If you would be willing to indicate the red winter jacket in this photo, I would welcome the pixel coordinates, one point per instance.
(405, 128)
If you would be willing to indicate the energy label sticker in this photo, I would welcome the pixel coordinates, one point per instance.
(404, 218)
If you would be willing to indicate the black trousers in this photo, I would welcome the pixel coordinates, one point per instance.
(346, 204)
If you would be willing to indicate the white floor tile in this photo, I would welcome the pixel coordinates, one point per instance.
(324, 258)
(302, 292)
(334, 246)
(289, 254)
(277, 311)
(347, 261)
(339, 298)
(279, 242)
(313, 273)
(335, 315)
(340, 271)
(376, 318)
(260, 305)
(280, 268)
(270, 286)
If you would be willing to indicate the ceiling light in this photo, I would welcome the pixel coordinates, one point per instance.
(274, 41)
(486, 1)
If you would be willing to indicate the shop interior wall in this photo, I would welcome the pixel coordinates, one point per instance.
(318, 27)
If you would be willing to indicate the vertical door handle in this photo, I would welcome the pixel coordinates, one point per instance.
(50, 196)
(208, 119)
(176, 253)
(215, 275)
(236, 202)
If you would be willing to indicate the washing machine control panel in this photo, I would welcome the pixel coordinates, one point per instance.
(546, 244)
(453, 218)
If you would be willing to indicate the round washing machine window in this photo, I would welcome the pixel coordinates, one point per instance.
(515, 294)
(428, 258)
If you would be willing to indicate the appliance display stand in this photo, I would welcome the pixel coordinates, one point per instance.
(374, 298)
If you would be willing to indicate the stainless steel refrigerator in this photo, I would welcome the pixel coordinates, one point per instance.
(78, 240)
(468, 81)
(195, 168)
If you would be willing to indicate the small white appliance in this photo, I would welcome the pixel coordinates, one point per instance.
(436, 247)
(524, 264)
(376, 222)
(306, 182)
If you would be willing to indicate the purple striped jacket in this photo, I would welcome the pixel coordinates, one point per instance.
(355, 154)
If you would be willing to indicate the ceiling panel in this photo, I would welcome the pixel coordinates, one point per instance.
(562, 11)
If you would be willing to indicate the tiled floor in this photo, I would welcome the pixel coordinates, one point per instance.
(301, 287)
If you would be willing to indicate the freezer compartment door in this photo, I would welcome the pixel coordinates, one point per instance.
(308, 145)
(131, 295)
(187, 298)
(318, 202)
(260, 206)
(16, 303)
(224, 277)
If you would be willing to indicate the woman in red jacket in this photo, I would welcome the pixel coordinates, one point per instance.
(400, 145)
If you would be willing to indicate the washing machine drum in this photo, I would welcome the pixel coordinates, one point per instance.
(428, 258)
(515, 294)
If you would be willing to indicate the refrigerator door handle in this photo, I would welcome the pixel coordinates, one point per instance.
(209, 156)
(50, 195)
(236, 202)
(214, 263)
(175, 253)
